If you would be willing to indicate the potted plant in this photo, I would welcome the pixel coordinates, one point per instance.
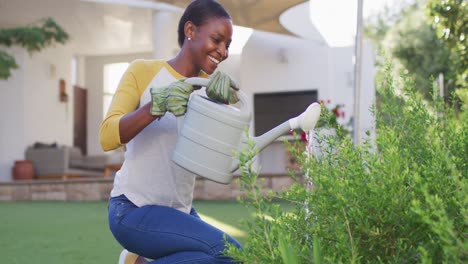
(23, 170)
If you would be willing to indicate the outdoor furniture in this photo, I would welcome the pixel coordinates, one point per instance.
(66, 162)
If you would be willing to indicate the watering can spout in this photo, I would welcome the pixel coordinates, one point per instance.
(261, 142)
(305, 121)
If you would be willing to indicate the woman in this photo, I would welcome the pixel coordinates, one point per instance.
(150, 210)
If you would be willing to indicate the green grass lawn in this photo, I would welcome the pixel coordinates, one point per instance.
(77, 232)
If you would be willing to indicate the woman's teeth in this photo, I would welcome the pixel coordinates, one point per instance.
(214, 60)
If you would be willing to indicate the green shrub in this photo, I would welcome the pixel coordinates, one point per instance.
(400, 198)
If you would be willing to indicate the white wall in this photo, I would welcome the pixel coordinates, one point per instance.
(231, 67)
(94, 70)
(46, 118)
(30, 110)
(274, 63)
(11, 118)
(341, 79)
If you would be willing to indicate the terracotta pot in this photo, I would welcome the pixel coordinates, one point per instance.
(23, 170)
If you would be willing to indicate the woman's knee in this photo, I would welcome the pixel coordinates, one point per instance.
(219, 249)
(234, 242)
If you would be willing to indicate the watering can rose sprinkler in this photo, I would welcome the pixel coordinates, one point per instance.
(210, 133)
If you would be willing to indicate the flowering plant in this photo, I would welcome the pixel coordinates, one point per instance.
(330, 115)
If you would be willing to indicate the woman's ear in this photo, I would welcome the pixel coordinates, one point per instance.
(189, 30)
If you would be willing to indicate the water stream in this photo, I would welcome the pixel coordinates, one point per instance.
(308, 180)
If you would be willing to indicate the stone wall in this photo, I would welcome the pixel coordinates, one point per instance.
(98, 189)
(56, 190)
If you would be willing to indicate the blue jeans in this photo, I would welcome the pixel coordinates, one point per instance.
(165, 234)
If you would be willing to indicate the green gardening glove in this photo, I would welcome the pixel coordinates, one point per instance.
(173, 98)
(222, 88)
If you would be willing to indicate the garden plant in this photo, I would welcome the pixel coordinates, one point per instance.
(398, 197)
(34, 38)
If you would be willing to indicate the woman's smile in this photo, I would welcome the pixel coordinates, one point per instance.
(214, 60)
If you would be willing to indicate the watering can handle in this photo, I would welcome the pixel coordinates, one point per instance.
(199, 81)
(193, 81)
(244, 107)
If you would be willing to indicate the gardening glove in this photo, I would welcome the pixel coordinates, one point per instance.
(222, 88)
(173, 98)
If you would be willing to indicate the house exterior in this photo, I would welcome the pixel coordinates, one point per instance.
(30, 109)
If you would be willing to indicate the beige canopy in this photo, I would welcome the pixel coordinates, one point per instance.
(258, 14)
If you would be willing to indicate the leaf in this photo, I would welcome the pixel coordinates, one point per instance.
(317, 254)
(288, 254)
(7, 63)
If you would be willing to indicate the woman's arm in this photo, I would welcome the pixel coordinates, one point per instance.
(132, 123)
(124, 119)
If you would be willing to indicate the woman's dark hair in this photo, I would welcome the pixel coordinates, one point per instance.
(198, 12)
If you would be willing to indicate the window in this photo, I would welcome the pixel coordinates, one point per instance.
(272, 109)
(74, 71)
(112, 75)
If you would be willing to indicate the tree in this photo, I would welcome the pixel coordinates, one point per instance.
(33, 38)
(405, 35)
(450, 19)
(426, 37)
(419, 49)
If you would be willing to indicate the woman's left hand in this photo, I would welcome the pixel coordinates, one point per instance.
(222, 88)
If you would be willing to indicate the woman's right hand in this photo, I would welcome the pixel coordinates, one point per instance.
(173, 98)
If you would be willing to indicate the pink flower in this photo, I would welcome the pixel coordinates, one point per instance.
(304, 136)
(336, 112)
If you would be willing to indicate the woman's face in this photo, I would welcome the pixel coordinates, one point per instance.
(210, 43)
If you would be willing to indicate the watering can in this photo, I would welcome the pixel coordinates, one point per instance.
(210, 133)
